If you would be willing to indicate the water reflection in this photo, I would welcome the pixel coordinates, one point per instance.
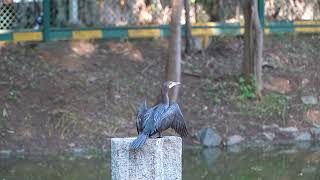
(297, 161)
(54, 168)
(209, 156)
(267, 163)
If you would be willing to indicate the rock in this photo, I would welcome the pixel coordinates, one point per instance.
(302, 136)
(315, 132)
(72, 145)
(5, 113)
(242, 128)
(20, 151)
(209, 138)
(10, 131)
(268, 65)
(235, 139)
(303, 145)
(91, 79)
(288, 129)
(314, 117)
(304, 82)
(77, 151)
(309, 100)
(309, 170)
(269, 135)
(5, 153)
(272, 126)
(288, 151)
(88, 157)
(279, 84)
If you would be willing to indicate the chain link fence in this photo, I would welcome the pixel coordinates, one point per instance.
(20, 14)
(105, 13)
(97, 13)
(28, 14)
(289, 10)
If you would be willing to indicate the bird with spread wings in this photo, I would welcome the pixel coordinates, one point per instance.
(159, 118)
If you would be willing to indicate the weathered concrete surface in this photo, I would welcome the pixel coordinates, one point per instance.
(158, 159)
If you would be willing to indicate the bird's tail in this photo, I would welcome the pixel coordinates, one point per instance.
(139, 142)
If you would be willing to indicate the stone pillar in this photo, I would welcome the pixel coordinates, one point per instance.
(158, 159)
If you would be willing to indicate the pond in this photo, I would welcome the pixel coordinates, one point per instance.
(288, 162)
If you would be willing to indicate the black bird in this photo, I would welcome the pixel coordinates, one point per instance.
(162, 116)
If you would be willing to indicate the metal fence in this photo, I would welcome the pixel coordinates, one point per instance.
(19, 14)
(37, 20)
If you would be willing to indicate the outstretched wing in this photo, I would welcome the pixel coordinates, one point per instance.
(140, 116)
(173, 118)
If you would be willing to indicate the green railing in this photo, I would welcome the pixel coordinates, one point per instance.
(46, 29)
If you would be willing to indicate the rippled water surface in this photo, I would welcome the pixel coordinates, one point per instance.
(272, 162)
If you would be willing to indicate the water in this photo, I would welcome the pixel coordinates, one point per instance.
(268, 163)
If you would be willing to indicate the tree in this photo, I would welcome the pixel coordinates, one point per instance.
(253, 46)
(173, 68)
(188, 36)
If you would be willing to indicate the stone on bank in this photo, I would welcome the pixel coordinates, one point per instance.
(209, 137)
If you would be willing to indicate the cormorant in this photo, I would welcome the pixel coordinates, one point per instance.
(156, 119)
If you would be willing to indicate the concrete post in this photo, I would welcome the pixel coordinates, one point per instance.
(158, 159)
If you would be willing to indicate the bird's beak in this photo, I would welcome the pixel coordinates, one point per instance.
(172, 84)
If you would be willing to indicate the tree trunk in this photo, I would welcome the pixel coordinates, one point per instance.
(196, 10)
(215, 10)
(259, 48)
(253, 46)
(188, 35)
(173, 69)
(247, 65)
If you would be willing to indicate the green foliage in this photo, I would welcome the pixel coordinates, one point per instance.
(270, 105)
(247, 91)
(13, 95)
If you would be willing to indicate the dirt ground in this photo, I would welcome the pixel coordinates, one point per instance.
(60, 95)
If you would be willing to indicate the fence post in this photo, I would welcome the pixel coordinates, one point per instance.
(73, 12)
(158, 159)
(46, 19)
(261, 12)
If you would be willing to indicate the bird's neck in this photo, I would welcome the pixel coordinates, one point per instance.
(165, 96)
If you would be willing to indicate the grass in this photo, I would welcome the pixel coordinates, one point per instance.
(63, 121)
(214, 90)
(270, 105)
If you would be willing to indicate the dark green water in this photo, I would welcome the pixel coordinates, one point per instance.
(268, 163)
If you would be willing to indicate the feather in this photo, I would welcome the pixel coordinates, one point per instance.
(139, 141)
(140, 116)
(173, 118)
